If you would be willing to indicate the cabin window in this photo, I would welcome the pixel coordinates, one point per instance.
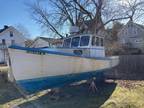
(97, 41)
(67, 42)
(11, 34)
(93, 40)
(75, 42)
(102, 42)
(84, 41)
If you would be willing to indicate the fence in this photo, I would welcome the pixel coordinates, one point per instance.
(131, 67)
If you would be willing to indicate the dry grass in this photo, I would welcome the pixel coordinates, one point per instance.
(128, 94)
(4, 68)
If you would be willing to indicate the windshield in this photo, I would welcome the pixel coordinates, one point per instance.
(84, 41)
(67, 42)
(75, 42)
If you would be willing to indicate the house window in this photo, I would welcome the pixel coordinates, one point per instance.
(129, 30)
(3, 41)
(135, 31)
(12, 42)
(138, 40)
(11, 34)
(129, 25)
(126, 31)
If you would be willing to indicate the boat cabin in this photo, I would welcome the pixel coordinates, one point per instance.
(85, 45)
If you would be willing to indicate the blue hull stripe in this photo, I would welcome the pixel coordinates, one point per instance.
(72, 48)
(55, 52)
(35, 85)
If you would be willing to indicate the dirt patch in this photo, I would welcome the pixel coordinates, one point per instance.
(111, 94)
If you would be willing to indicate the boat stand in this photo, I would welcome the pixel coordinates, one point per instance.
(54, 94)
(93, 87)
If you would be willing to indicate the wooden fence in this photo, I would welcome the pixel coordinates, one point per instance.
(131, 67)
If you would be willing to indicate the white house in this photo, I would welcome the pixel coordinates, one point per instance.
(46, 42)
(132, 35)
(9, 36)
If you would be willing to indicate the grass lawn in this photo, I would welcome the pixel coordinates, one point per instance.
(118, 94)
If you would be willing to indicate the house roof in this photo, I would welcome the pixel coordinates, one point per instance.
(141, 26)
(5, 28)
(50, 40)
(138, 25)
(46, 39)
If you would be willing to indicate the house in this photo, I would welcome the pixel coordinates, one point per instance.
(9, 36)
(46, 42)
(132, 36)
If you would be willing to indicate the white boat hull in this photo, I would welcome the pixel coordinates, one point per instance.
(27, 67)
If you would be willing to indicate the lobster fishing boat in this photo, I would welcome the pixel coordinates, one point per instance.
(80, 58)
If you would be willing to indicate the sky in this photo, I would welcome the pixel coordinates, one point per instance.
(15, 12)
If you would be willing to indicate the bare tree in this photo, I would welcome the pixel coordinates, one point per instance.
(22, 29)
(134, 9)
(117, 26)
(97, 13)
(40, 15)
(60, 13)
